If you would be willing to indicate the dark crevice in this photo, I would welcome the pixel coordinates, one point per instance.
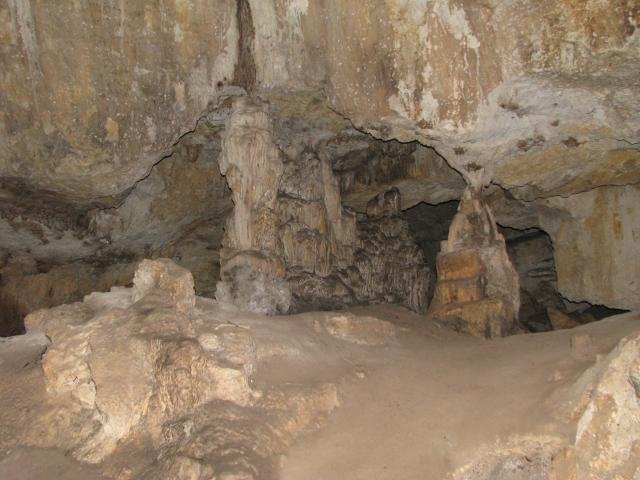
(429, 225)
(11, 319)
(245, 71)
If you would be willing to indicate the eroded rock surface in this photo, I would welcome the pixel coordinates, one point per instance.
(602, 406)
(538, 97)
(291, 245)
(156, 354)
(153, 362)
(477, 289)
(607, 445)
(252, 274)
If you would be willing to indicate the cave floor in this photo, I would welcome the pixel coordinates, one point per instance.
(421, 406)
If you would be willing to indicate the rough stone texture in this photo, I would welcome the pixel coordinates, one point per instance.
(477, 290)
(175, 211)
(607, 443)
(252, 274)
(365, 168)
(156, 354)
(539, 97)
(155, 366)
(596, 246)
(94, 114)
(291, 245)
(182, 193)
(24, 289)
(528, 458)
(594, 236)
(178, 195)
(391, 266)
(237, 443)
(519, 88)
(603, 408)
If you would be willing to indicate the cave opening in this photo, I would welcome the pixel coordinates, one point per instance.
(542, 306)
(429, 225)
(363, 170)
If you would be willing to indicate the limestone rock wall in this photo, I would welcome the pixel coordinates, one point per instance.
(24, 288)
(596, 245)
(521, 88)
(595, 240)
(93, 107)
(290, 245)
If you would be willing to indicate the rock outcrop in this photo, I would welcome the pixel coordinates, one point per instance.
(603, 408)
(477, 290)
(154, 364)
(607, 445)
(157, 353)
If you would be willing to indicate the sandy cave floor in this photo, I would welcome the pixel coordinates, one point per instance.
(420, 406)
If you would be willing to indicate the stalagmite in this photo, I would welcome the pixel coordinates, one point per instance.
(478, 289)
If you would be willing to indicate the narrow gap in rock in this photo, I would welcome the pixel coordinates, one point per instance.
(429, 225)
(245, 72)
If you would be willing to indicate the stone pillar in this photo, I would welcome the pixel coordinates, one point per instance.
(477, 290)
(252, 273)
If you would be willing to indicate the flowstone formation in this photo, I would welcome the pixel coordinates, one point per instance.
(478, 288)
(251, 271)
(290, 245)
(156, 366)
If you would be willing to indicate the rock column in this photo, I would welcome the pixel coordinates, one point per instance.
(477, 290)
(252, 273)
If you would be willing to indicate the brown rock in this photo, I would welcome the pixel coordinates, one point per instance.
(459, 291)
(461, 264)
(487, 318)
(607, 445)
(560, 320)
(477, 284)
(384, 204)
(290, 244)
(156, 354)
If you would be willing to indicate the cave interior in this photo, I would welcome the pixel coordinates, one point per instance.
(237, 236)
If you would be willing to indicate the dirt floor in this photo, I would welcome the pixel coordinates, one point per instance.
(419, 407)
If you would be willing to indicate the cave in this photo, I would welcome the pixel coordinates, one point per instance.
(292, 239)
